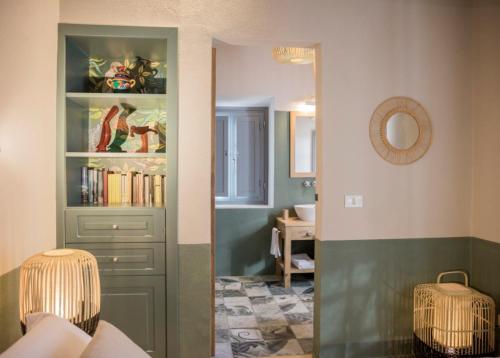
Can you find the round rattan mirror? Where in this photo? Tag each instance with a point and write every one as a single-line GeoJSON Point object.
{"type": "Point", "coordinates": [400, 130]}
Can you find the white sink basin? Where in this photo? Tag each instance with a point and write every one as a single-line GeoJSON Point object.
{"type": "Point", "coordinates": [306, 212]}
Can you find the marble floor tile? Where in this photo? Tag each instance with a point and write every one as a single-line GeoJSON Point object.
{"type": "Point", "coordinates": [250, 349]}
{"type": "Point", "coordinates": [306, 344]}
{"type": "Point", "coordinates": [222, 336]}
{"type": "Point", "coordinates": [277, 333]}
{"type": "Point", "coordinates": [264, 319]}
{"type": "Point", "coordinates": [241, 307]}
{"type": "Point", "coordinates": [303, 330]}
{"type": "Point", "coordinates": [268, 308]}
{"type": "Point", "coordinates": [278, 289]}
{"type": "Point", "coordinates": [245, 335]}
{"type": "Point", "coordinates": [284, 347]}
{"type": "Point", "coordinates": [221, 321]}
{"type": "Point", "coordinates": [257, 291]}
{"type": "Point", "coordinates": [249, 321]}
{"type": "Point", "coordinates": [262, 300]}
{"type": "Point", "coordinates": [309, 297]}
{"type": "Point", "coordinates": [299, 290]}
{"type": "Point", "coordinates": [257, 317]}
{"type": "Point", "coordinates": [290, 304]}
{"type": "Point", "coordinates": [223, 350]}
{"type": "Point", "coordinates": [299, 318]}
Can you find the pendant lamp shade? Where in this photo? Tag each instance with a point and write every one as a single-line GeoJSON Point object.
{"type": "Point", "coordinates": [62, 282]}
{"type": "Point", "coordinates": [294, 55]}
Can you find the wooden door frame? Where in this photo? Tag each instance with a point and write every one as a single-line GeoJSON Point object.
{"type": "Point", "coordinates": [212, 202]}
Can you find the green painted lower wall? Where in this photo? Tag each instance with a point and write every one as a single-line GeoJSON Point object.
{"type": "Point", "coordinates": [10, 329]}
{"type": "Point", "coordinates": [364, 291]}
{"type": "Point", "coordinates": [195, 302]}
{"type": "Point", "coordinates": [243, 235]}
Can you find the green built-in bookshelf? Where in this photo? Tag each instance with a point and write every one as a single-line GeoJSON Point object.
{"type": "Point", "coordinates": [117, 169]}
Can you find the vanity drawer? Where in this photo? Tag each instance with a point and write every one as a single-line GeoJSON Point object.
{"type": "Point", "coordinates": [115, 225]}
{"type": "Point", "coordinates": [301, 233]}
{"type": "Point", "coordinates": [127, 259]}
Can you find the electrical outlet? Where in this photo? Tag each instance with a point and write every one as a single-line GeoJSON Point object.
{"type": "Point", "coordinates": [353, 201]}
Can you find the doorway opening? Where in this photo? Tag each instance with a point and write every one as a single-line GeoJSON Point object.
{"type": "Point", "coordinates": [264, 193]}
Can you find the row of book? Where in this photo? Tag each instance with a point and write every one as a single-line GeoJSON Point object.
{"type": "Point", "coordinates": [103, 187]}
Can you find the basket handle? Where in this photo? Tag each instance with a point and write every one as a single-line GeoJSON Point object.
{"type": "Point", "coordinates": [466, 276]}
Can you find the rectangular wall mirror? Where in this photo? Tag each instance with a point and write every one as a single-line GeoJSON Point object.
{"type": "Point", "coordinates": [302, 145]}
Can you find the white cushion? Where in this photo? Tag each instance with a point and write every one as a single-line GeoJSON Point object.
{"type": "Point", "coordinates": [49, 336]}
{"type": "Point", "coordinates": [109, 342]}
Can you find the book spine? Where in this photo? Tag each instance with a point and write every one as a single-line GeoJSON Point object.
{"type": "Point", "coordinates": [140, 189]}
{"type": "Point", "coordinates": [157, 191]}
{"type": "Point", "coordinates": [95, 186]}
{"type": "Point", "coordinates": [100, 186]}
{"type": "Point", "coordinates": [85, 185]}
{"type": "Point", "coordinates": [135, 189]}
{"type": "Point", "coordinates": [164, 189]}
{"type": "Point", "coordinates": [105, 186]}
{"type": "Point", "coordinates": [147, 196]}
{"type": "Point", "coordinates": [91, 185]}
{"type": "Point", "coordinates": [124, 193]}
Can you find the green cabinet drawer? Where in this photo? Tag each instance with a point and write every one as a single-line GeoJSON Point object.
{"type": "Point", "coordinates": [136, 305]}
{"type": "Point", "coordinates": [115, 225]}
{"type": "Point", "coordinates": [127, 258]}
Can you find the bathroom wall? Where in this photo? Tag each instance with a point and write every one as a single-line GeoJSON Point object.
{"type": "Point", "coordinates": [243, 236]}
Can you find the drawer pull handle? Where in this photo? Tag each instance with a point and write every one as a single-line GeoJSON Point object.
{"type": "Point", "coordinates": [115, 259]}
{"type": "Point", "coordinates": [115, 227]}
{"type": "Point", "coordinates": [309, 234]}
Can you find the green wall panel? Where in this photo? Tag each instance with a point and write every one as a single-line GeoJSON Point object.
{"type": "Point", "coordinates": [194, 301]}
{"type": "Point", "coordinates": [10, 330]}
{"type": "Point", "coordinates": [364, 291]}
{"type": "Point", "coordinates": [243, 236]}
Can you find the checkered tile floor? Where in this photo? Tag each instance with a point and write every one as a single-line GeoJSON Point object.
{"type": "Point", "coordinates": [257, 317]}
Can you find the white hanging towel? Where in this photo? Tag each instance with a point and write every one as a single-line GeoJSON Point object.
{"type": "Point", "coordinates": [275, 243]}
{"type": "Point", "coordinates": [302, 261]}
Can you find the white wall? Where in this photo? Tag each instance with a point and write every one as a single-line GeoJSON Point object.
{"type": "Point", "coordinates": [371, 50]}
{"type": "Point", "coordinates": [486, 117]}
{"type": "Point", "coordinates": [28, 47]}
{"type": "Point", "coordinates": [251, 71]}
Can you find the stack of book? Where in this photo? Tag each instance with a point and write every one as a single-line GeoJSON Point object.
{"type": "Point", "coordinates": [103, 187]}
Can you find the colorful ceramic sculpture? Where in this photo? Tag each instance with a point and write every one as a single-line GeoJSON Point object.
{"type": "Point", "coordinates": [162, 136]}
{"type": "Point", "coordinates": [143, 132]}
{"type": "Point", "coordinates": [121, 128]}
{"type": "Point", "coordinates": [121, 82]}
{"type": "Point", "coordinates": [106, 130]}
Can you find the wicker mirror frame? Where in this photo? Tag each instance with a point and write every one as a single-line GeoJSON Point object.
{"type": "Point", "coordinates": [378, 125]}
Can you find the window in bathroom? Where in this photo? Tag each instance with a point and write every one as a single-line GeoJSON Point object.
{"type": "Point", "coordinates": [242, 156]}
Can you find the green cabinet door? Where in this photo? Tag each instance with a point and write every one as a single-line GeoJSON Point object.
{"type": "Point", "coordinates": [136, 305]}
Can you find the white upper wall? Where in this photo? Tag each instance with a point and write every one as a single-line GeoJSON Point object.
{"type": "Point", "coordinates": [371, 50]}
{"type": "Point", "coordinates": [486, 115]}
{"type": "Point", "coordinates": [251, 72]}
{"type": "Point", "coordinates": [28, 44]}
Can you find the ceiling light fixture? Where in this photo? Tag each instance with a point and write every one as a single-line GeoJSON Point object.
{"type": "Point", "coordinates": [294, 55]}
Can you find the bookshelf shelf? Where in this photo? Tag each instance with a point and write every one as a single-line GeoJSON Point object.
{"type": "Point", "coordinates": [113, 155]}
{"type": "Point", "coordinates": [100, 100]}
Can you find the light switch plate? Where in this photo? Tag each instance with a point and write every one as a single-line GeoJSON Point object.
{"type": "Point", "coordinates": [353, 201]}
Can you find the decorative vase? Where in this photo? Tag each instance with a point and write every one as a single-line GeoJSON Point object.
{"type": "Point", "coordinates": [106, 130]}
{"type": "Point", "coordinates": [142, 72]}
{"type": "Point", "coordinates": [121, 82]}
{"type": "Point", "coordinates": [122, 129]}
